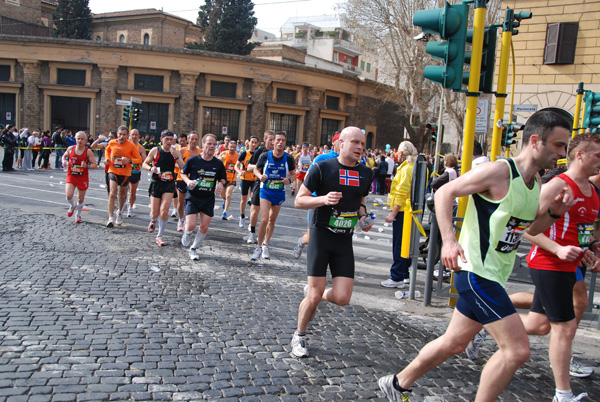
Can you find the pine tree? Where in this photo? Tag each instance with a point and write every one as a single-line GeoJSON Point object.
{"type": "Point", "coordinates": [72, 19]}
{"type": "Point", "coordinates": [226, 25]}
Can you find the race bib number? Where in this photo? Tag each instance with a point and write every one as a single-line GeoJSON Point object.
{"type": "Point", "coordinates": [343, 222]}
{"type": "Point", "coordinates": [585, 231]}
{"type": "Point", "coordinates": [274, 185]}
{"type": "Point", "coordinates": [118, 162]}
{"type": "Point", "coordinates": [206, 184]}
{"type": "Point", "coordinates": [305, 166]}
{"type": "Point", "coordinates": [76, 170]}
{"type": "Point", "coordinates": [166, 176]}
{"type": "Point", "coordinates": [512, 235]}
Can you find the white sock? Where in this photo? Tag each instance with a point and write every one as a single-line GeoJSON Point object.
{"type": "Point", "coordinates": [198, 239]}
{"type": "Point", "coordinates": [563, 395]}
{"type": "Point", "coordinates": [79, 209]}
{"type": "Point", "coordinates": [161, 227]}
{"type": "Point", "coordinates": [72, 202]}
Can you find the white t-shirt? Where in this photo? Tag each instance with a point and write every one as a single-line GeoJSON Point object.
{"type": "Point", "coordinates": [390, 162]}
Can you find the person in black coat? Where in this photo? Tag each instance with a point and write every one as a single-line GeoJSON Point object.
{"type": "Point", "coordinates": [382, 169]}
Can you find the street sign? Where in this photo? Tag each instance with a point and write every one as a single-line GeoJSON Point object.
{"type": "Point", "coordinates": [526, 108]}
{"type": "Point", "coordinates": [123, 102]}
{"type": "Point", "coordinates": [152, 125]}
{"type": "Point", "coordinates": [224, 130]}
{"type": "Point", "coordinates": [8, 116]}
{"type": "Point", "coordinates": [136, 100]}
{"type": "Point", "coordinates": [482, 121]}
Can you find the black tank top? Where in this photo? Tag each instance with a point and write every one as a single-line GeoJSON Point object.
{"type": "Point", "coordinates": [166, 163]}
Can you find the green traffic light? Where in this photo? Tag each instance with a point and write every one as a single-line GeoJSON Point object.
{"type": "Point", "coordinates": [591, 113]}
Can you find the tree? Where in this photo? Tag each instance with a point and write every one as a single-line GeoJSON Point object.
{"type": "Point", "coordinates": [385, 27]}
{"type": "Point", "coordinates": [72, 19]}
{"type": "Point", "coordinates": [226, 25]}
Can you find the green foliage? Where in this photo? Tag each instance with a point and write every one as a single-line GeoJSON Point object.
{"type": "Point", "coordinates": [226, 25]}
{"type": "Point", "coordinates": [72, 19]}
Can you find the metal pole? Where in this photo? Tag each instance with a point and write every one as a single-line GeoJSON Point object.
{"type": "Point", "coordinates": [434, 233]}
{"type": "Point", "coordinates": [438, 143]}
{"type": "Point", "coordinates": [577, 109]}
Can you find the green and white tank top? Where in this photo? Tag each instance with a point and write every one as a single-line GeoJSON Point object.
{"type": "Point", "coordinates": [492, 230]}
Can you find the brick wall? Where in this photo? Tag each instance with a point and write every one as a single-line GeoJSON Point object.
{"type": "Point", "coordinates": [27, 10]}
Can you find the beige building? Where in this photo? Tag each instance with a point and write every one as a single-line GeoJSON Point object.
{"type": "Point", "coordinates": [555, 51]}
{"type": "Point", "coordinates": [46, 82]}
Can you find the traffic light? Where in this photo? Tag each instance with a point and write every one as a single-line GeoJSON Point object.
{"type": "Point", "coordinates": [450, 23]}
{"type": "Point", "coordinates": [509, 131]}
{"type": "Point", "coordinates": [512, 20]}
{"type": "Point", "coordinates": [433, 127]}
{"type": "Point", "coordinates": [591, 113]}
{"type": "Point", "coordinates": [135, 116]}
{"type": "Point", "coordinates": [488, 59]}
{"type": "Point", "coordinates": [127, 113]}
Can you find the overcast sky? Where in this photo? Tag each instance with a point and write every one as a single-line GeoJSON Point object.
{"type": "Point", "coordinates": [271, 14]}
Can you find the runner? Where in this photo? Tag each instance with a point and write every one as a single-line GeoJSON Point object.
{"type": "Point", "coordinates": [268, 139]}
{"type": "Point", "coordinates": [136, 172]}
{"type": "Point", "coordinates": [274, 169]}
{"type": "Point", "coordinates": [179, 144]}
{"type": "Point", "coordinates": [247, 177]}
{"type": "Point", "coordinates": [161, 162]}
{"type": "Point", "coordinates": [341, 185]}
{"type": "Point", "coordinates": [119, 154]}
{"type": "Point", "coordinates": [191, 150]}
{"type": "Point", "coordinates": [335, 152]}
{"type": "Point", "coordinates": [303, 161]}
{"type": "Point", "coordinates": [203, 174]}
{"type": "Point", "coordinates": [77, 160]}
{"type": "Point", "coordinates": [503, 201]}
{"type": "Point", "coordinates": [229, 159]}
{"type": "Point", "coordinates": [555, 255]}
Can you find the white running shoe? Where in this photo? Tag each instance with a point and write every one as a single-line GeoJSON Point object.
{"type": "Point", "coordinates": [472, 349]}
{"type": "Point", "coordinates": [298, 249]}
{"type": "Point", "coordinates": [386, 385]}
{"type": "Point", "coordinates": [265, 252]}
{"type": "Point", "coordinates": [186, 239]}
{"type": "Point", "coordinates": [173, 213]}
{"type": "Point", "coordinates": [252, 238]}
{"type": "Point", "coordinates": [110, 223]}
{"type": "Point", "coordinates": [256, 254]}
{"type": "Point", "coordinates": [389, 283]}
{"type": "Point", "coordinates": [578, 370]}
{"type": "Point", "coordinates": [193, 254]}
{"type": "Point", "coordinates": [129, 212]}
{"type": "Point", "coordinates": [299, 345]}
{"type": "Point", "coordinates": [119, 220]}
{"type": "Point", "coordinates": [573, 398]}
{"type": "Point", "coordinates": [242, 222]}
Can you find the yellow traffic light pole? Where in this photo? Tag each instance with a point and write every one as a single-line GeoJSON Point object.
{"type": "Point", "coordinates": [501, 92]}
{"type": "Point", "coordinates": [577, 113]}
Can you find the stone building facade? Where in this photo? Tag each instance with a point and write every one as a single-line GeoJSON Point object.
{"type": "Point", "coordinates": [46, 82]}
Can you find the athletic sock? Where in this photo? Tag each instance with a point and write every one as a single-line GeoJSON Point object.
{"type": "Point", "coordinates": [397, 386]}
{"type": "Point", "coordinates": [301, 333]}
{"type": "Point", "coordinates": [252, 229]}
{"type": "Point", "coordinates": [198, 239]}
{"type": "Point", "coordinates": [79, 209]}
{"type": "Point", "coordinates": [161, 227]}
{"type": "Point", "coordinates": [563, 395]}
{"type": "Point", "coordinates": [242, 215]}
{"type": "Point", "coordinates": [72, 202]}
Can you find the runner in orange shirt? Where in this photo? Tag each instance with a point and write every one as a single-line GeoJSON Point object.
{"type": "Point", "coordinates": [229, 159]}
{"type": "Point", "coordinates": [136, 172]}
{"type": "Point", "coordinates": [192, 149]}
{"type": "Point", "coordinates": [119, 154]}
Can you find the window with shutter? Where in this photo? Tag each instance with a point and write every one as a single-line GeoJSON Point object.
{"type": "Point", "coordinates": [561, 41]}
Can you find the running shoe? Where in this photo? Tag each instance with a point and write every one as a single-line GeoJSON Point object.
{"type": "Point", "coordinates": [386, 385]}
{"type": "Point", "coordinates": [193, 254]}
{"type": "Point", "coordinates": [242, 222]}
{"type": "Point", "coordinates": [299, 345]}
{"type": "Point", "coordinates": [151, 226]}
{"type": "Point", "coordinates": [119, 220]}
{"type": "Point", "coordinates": [160, 241]}
{"type": "Point", "coordinates": [578, 370]}
{"type": "Point", "coordinates": [224, 216]}
{"type": "Point", "coordinates": [79, 220]}
{"type": "Point", "coordinates": [573, 398]}
{"type": "Point", "coordinates": [186, 239]}
{"type": "Point", "coordinates": [298, 249]}
{"type": "Point", "coordinates": [256, 254]}
{"type": "Point", "coordinates": [389, 283]}
{"type": "Point", "coordinates": [265, 252]}
{"type": "Point", "coordinates": [129, 213]}
{"type": "Point", "coordinates": [252, 238]}
{"type": "Point", "coordinates": [472, 349]}
{"type": "Point", "coordinates": [110, 223]}
{"type": "Point", "coordinates": [71, 210]}
{"type": "Point", "coordinates": [406, 281]}
{"type": "Point", "coordinates": [293, 191]}
{"type": "Point", "coordinates": [173, 213]}
{"type": "Point", "coordinates": [180, 225]}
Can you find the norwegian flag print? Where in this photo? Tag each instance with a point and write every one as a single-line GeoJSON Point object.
{"type": "Point", "coordinates": [349, 178]}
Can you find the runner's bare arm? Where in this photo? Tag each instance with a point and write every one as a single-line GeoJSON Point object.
{"type": "Point", "coordinates": [92, 164]}
{"type": "Point", "coordinates": [304, 199]}
{"type": "Point", "coordinates": [148, 160]}
{"type": "Point", "coordinates": [565, 253]}
{"type": "Point", "coordinates": [556, 198]}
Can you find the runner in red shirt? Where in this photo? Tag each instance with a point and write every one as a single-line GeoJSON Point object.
{"type": "Point", "coordinates": [78, 159]}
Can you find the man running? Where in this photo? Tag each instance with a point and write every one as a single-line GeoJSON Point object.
{"type": "Point", "coordinates": [229, 159]}
{"type": "Point", "coordinates": [341, 185]}
{"type": "Point", "coordinates": [204, 175]}
{"type": "Point", "coordinates": [503, 201]}
{"type": "Point", "coordinates": [119, 155]}
{"type": "Point", "coordinates": [247, 177]}
{"type": "Point", "coordinates": [77, 160]}
{"type": "Point", "coordinates": [190, 150]}
{"type": "Point", "coordinates": [274, 169]}
{"type": "Point", "coordinates": [161, 162]}
{"type": "Point", "coordinates": [179, 144]}
{"type": "Point", "coordinates": [268, 139]}
{"type": "Point", "coordinates": [303, 161]}
{"type": "Point", "coordinates": [557, 252]}
{"type": "Point", "coordinates": [136, 172]}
